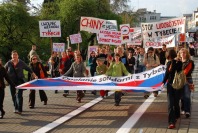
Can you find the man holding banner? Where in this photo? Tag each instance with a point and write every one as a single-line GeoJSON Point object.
{"type": "Point", "coordinates": [151, 61]}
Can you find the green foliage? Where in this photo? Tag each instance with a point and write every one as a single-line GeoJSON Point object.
{"type": "Point", "coordinates": [17, 27]}
{"type": "Point", "coordinates": [19, 30]}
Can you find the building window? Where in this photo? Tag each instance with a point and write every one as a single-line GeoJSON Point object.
{"type": "Point", "coordinates": [152, 17]}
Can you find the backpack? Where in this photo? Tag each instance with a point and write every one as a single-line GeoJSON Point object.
{"type": "Point", "coordinates": [179, 80]}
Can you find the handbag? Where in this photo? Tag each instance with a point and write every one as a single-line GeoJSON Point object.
{"type": "Point", "coordinates": [179, 80]}
{"type": "Point", "coordinates": [42, 74]}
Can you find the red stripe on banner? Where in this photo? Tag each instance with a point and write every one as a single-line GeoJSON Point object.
{"type": "Point", "coordinates": [133, 83]}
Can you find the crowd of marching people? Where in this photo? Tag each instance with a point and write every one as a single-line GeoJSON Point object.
{"type": "Point", "coordinates": [120, 61]}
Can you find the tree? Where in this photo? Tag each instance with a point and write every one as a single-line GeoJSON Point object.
{"type": "Point", "coordinates": [118, 6]}
{"type": "Point", "coordinates": [17, 29]}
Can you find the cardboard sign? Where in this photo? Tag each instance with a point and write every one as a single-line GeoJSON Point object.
{"type": "Point", "coordinates": [75, 38]}
{"type": "Point", "coordinates": [50, 28]}
{"type": "Point", "coordinates": [58, 47]}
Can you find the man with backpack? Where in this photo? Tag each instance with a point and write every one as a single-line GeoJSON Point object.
{"type": "Point", "coordinates": [150, 61]}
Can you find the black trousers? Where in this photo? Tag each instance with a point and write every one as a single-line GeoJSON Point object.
{"type": "Point", "coordinates": [173, 97]}
{"type": "Point", "coordinates": [2, 95]}
{"type": "Point", "coordinates": [32, 96]}
{"type": "Point", "coordinates": [117, 96]}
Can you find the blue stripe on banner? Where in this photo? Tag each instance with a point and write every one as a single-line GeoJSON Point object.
{"type": "Point", "coordinates": [152, 81]}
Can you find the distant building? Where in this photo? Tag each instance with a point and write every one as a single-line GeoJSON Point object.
{"type": "Point", "coordinates": [148, 16]}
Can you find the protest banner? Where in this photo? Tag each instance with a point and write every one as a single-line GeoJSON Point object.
{"type": "Point", "coordinates": [58, 47]}
{"type": "Point", "coordinates": [75, 38]}
{"type": "Point", "coordinates": [94, 25]}
{"type": "Point", "coordinates": [150, 80]}
{"type": "Point", "coordinates": [157, 43]}
{"type": "Point", "coordinates": [163, 28]}
{"type": "Point", "coordinates": [109, 37]}
{"type": "Point", "coordinates": [50, 28]}
{"type": "Point", "coordinates": [125, 33]}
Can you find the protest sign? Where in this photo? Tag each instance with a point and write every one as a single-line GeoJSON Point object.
{"type": "Point", "coordinates": [157, 43]}
{"type": "Point", "coordinates": [94, 25]}
{"type": "Point", "coordinates": [109, 37]}
{"type": "Point", "coordinates": [50, 28]}
{"type": "Point", "coordinates": [135, 36]}
{"type": "Point", "coordinates": [92, 48]}
{"type": "Point", "coordinates": [75, 38]}
{"type": "Point", "coordinates": [125, 33]}
{"type": "Point", "coordinates": [163, 28]}
{"type": "Point", "coordinates": [58, 47]}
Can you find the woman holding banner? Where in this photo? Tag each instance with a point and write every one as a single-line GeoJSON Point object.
{"type": "Point", "coordinates": [173, 95]}
{"type": "Point", "coordinates": [78, 69]}
{"type": "Point", "coordinates": [39, 70]}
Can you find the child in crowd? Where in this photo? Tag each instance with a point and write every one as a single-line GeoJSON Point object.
{"type": "Point", "coordinates": [101, 69]}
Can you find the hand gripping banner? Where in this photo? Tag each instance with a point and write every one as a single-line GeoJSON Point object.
{"type": "Point", "coordinates": [146, 81]}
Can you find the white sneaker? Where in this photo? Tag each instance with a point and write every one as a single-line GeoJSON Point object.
{"type": "Point", "coordinates": [182, 112]}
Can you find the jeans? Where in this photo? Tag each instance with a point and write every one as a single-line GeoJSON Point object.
{"type": "Point", "coordinates": [186, 97]}
{"type": "Point", "coordinates": [19, 100]}
{"type": "Point", "coordinates": [173, 97]}
{"type": "Point", "coordinates": [13, 94]}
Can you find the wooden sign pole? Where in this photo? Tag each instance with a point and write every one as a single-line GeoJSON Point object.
{"type": "Point", "coordinates": [51, 43]}
{"type": "Point", "coordinates": [67, 38]}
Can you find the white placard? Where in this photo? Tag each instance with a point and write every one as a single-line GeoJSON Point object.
{"type": "Point", "coordinates": [75, 38]}
{"type": "Point", "coordinates": [163, 28]}
{"type": "Point", "coordinates": [50, 28]}
{"type": "Point", "coordinates": [58, 47]}
{"type": "Point", "coordinates": [109, 37]}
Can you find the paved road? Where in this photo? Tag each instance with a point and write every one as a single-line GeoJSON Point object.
{"type": "Point", "coordinates": [103, 117]}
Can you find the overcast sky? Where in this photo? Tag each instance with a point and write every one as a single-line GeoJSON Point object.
{"type": "Point", "coordinates": [165, 7]}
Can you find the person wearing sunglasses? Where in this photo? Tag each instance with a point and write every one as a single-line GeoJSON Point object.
{"type": "Point", "coordinates": [39, 70]}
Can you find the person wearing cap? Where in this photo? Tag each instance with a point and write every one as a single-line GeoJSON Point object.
{"type": "Point", "coordinates": [117, 69]}
{"type": "Point", "coordinates": [101, 69]}
{"type": "Point", "coordinates": [3, 75]}
{"type": "Point", "coordinates": [37, 67]}
{"type": "Point", "coordinates": [14, 68]}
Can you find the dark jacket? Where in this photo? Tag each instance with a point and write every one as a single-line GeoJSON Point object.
{"type": "Point", "coordinates": [170, 70]}
{"type": "Point", "coordinates": [3, 74]}
{"type": "Point", "coordinates": [16, 74]}
{"type": "Point", "coordinates": [36, 69]}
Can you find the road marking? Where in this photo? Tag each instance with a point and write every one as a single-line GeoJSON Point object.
{"type": "Point", "coordinates": [67, 117]}
{"type": "Point", "coordinates": [128, 125]}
